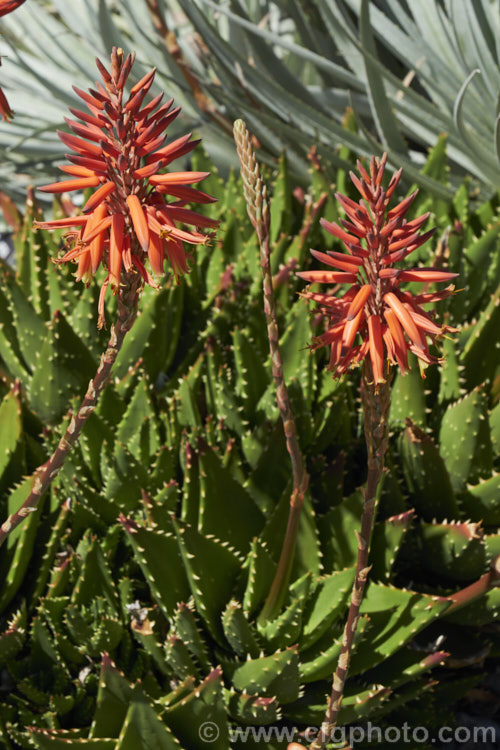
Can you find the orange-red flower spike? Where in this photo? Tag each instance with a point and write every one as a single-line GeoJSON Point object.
{"type": "Point", "coordinates": [119, 148]}
{"type": "Point", "coordinates": [375, 319]}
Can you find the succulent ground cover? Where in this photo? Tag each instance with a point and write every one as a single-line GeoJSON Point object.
{"type": "Point", "coordinates": [131, 600]}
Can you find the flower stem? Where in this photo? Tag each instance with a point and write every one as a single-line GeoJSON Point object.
{"type": "Point", "coordinates": [258, 211]}
{"type": "Point", "coordinates": [376, 402]}
{"type": "Point", "coordinates": [127, 311]}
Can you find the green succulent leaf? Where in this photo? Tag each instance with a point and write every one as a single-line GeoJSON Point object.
{"type": "Point", "coordinates": [154, 549]}
{"type": "Point", "coordinates": [396, 616]}
{"type": "Point", "coordinates": [235, 522]}
{"type": "Point", "coordinates": [258, 574]}
{"type": "Point", "coordinates": [254, 710]}
{"type": "Point", "coordinates": [18, 548]}
{"type": "Point", "coordinates": [452, 550]}
{"type": "Point", "coordinates": [326, 606]}
{"type": "Point", "coordinates": [205, 704]}
{"type": "Point", "coordinates": [142, 729]}
{"type": "Point", "coordinates": [467, 452]}
{"type": "Point", "coordinates": [408, 398]}
{"type": "Point", "coordinates": [11, 439]}
{"type": "Point", "coordinates": [387, 538]}
{"type": "Point", "coordinates": [63, 369]}
{"type": "Point", "coordinates": [276, 675]}
{"type": "Point", "coordinates": [211, 567]}
{"type": "Point", "coordinates": [52, 740]}
{"type": "Point", "coordinates": [238, 631]}
{"type": "Point", "coordinates": [427, 475]}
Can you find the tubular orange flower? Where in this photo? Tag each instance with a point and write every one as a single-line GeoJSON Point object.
{"type": "Point", "coordinates": [131, 216]}
{"type": "Point", "coordinates": [387, 320]}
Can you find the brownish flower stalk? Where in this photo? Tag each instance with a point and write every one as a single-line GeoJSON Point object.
{"type": "Point", "coordinates": [376, 323]}
{"type": "Point", "coordinates": [258, 211]}
{"type": "Point", "coordinates": [120, 150]}
{"type": "Point", "coordinates": [376, 402]}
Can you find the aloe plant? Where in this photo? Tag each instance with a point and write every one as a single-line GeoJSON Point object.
{"type": "Point", "coordinates": [130, 608]}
